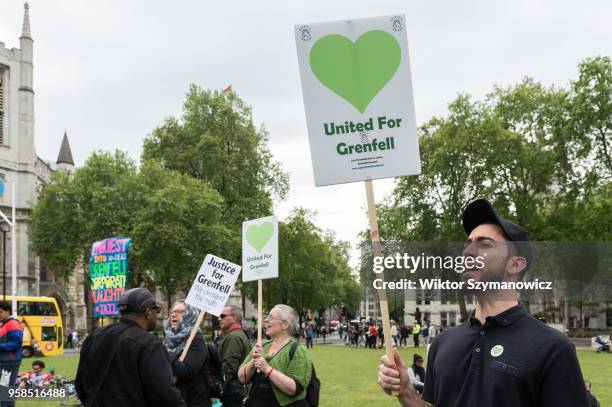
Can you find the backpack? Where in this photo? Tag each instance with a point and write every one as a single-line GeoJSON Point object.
{"type": "Point", "coordinates": [314, 387]}
{"type": "Point", "coordinates": [213, 371]}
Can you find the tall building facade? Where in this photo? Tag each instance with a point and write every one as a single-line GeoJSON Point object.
{"type": "Point", "coordinates": [24, 171]}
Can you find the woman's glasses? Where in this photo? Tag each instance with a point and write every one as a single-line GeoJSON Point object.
{"type": "Point", "coordinates": [270, 318]}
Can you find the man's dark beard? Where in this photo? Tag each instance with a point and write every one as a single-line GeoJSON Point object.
{"type": "Point", "coordinates": [497, 275]}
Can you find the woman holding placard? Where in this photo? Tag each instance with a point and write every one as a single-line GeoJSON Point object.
{"type": "Point", "coordinates": [189, 373]}
{"type": "Point", "coordinates": [280, 369]}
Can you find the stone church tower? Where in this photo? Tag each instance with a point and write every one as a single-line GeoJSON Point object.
{"type": "Point", "coordinates": [30, 173]}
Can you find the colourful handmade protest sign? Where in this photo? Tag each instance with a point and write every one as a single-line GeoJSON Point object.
{"type": "Point", "coordinates": [108, 272]}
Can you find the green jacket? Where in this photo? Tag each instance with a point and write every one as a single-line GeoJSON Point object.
{"type": "Point", "coordinates": [234, 347]}
{"type": "Point", "coordinates": [299, 369]}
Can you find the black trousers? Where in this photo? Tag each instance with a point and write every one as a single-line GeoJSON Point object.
{"type": "Point", "coordinates": [235, 400]}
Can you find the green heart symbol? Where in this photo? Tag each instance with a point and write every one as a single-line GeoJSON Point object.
{"type": "Point", "coordinates": [358, 71]}
{"type": "Point", "coordinates": [259, 235]}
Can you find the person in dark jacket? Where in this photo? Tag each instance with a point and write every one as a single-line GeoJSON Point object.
{"type": "Point", "coordinates": [189, 373]}
{"type": "Point", "coordinates": [11, 340]}
{"type": "Point", "coordinates": [124, 365]}
{"type": "Point", "coordinates": [234, 347]}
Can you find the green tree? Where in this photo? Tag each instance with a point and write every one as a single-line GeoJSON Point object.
{"type": "Point", "coordinates": [216, 141]}
{"type": "Point", "coordinates": [539, 154]}
{"type": "Point", "coordinates": [98, 201]}
{"type": "Point", "coordinates": [178, 224]}
{"type": "Point", "coordinates": [173, 220]}
{"type": "Point", "coordinates": [591, 117]}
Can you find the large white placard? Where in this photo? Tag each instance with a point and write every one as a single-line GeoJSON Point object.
{"type": "Point", "coordinates": [358, 99]}
{"type": "Point", "coordinates": [213, 285]}
{"type": "Point", "coordinates": [260, 249]}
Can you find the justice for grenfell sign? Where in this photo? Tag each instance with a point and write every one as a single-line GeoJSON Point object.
{"type": "Point", "coordinates": [213, 285]}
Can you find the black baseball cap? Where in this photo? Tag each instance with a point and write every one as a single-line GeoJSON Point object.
{"type": "Point", "coordinates": [138, 300]}
{"type": "Point", "coordinates": [481, 211]}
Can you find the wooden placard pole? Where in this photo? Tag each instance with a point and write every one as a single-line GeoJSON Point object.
{"type": "Point", "coordinates": [259, 310]}
{"type": "Point", "coordinates": [192, 335]}
{"type": "Point", "coordinates": [376, 252]}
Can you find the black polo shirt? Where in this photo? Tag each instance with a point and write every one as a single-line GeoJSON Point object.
{"type": "Point", "coordinates": [512, 360]}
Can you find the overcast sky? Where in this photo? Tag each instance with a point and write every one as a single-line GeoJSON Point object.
{"type": "Point", "coordinates": [111, 71]}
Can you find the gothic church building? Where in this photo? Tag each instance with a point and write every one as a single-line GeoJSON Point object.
{"type": "Point", "coordinates": [22, 167]}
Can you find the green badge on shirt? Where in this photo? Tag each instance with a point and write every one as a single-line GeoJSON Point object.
{"type": "Point", "coordinates": [497, 350]}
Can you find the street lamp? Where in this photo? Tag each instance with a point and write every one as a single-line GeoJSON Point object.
{"type": "Point", "coordinates": [12, 223]}
{"type": "Point", "coordinates": [4, 227]}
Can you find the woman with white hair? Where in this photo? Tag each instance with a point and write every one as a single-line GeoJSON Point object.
{"type": "Point", "coordinates": [277, 378]}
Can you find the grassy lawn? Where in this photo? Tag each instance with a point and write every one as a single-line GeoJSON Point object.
{"type": "Point", "coordinates": [63, 365]}
{"type": "Point", "coordinates": [348, 376]}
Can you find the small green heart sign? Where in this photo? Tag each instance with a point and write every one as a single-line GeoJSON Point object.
{"type": "Point", "coordinates": [356, 71]}
{"type": "Point", "coordinates": [259, 235]}
{"type": "Point", "coordinates": [260, 248]}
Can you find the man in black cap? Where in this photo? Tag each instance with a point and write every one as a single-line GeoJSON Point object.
{"type": "Point", "coordinates": [501, 356]}
{"type": "Point", "coordinates": [123, 364]}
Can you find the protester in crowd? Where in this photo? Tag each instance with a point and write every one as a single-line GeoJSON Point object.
{"type": "Point", "coordinates": [234, 347]}
{"type": "Point", "coordinates": [394, 332]}
{"type": "Point", "coordinates": [309, 333]}
{"type": "Point", "coordinates": [416, 331]}
{"type": "Point", "coordinates": [431, 335]}
{"type": "Point", "coordinates": [122, 364]}
{"type": "Point", "coordinates": [37, 377]}
{"type": "Point", "coordinates": [349, 336]}
{"type": "Point", "coordinates": [356, 335]}
{"type": "Point", "coordinates": [500, 356]}
{"type": "Point", "coordinates": [69, 339]}
{"type": "Point", "coordinates": [432, 332]}
{"type": "Point", "coordinates": [425, 331]}
{"type": "Point", "coordinates": [277, 378]}
{"type": "Point", "coordinates": [372, 336]}
{"type": "Point", "coordinates": [75, 339]}
{"type": "Point", "coordinates": [381, 336]}
{"type": "Point", "coordinates": [404, 334]}
{"type": "Point", "coordinates": [189, 374]}
{"type": "Point", "coordinates": [11, 341]}
{"type": "Point", "coordinates": [323, 332]}
{"type": "Point", "coordinates": [593, 402]}
{"type": "Point", "coordinates": [416, 373]}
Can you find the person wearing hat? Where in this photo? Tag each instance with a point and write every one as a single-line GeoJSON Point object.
{"type": "Point", "coordinates": [123, 364]}
{"type": "Point", "coordinates": [500, 356]}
